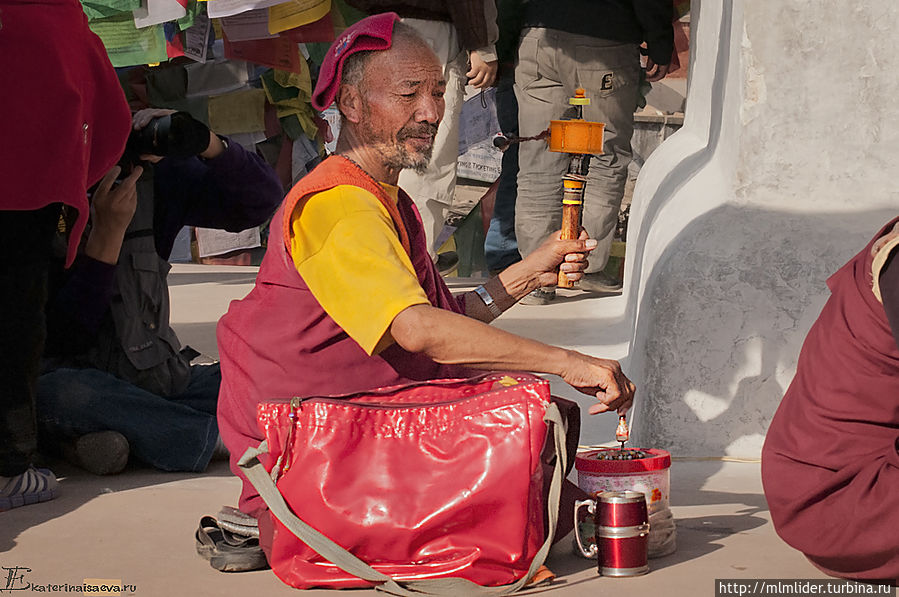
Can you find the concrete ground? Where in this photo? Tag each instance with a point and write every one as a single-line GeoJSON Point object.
{"type": "Point", "coordinates": [137, 527]}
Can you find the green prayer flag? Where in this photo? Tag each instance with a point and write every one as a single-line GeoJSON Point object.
{"type": "Point", "coordinates": [128, 45]}
{"type": "Point", "coordinates": [100, 9]}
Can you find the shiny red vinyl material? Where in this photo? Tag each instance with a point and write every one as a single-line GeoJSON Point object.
{"type": "Point", "coordinates": [429, 480]}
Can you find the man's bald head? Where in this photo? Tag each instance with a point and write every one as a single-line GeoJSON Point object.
{"type": "Point", "coordinates": [404, 37]}
{"type": "Point", "coordinates": [391, 101]}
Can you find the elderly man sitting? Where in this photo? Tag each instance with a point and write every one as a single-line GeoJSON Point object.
{"type": "Point", "coordinates": [347, 298]}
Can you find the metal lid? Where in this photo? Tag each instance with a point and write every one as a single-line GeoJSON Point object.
{"type": "Point", "coordinates": [620, 497]}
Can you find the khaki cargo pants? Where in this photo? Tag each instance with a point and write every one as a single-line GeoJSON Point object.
{"type": "Point", "coordinates": [551, 65]}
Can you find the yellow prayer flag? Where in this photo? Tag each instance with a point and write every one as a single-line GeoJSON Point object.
{"type": "Point", "coordinates": [301, 80]}
{"type": "Point", "coordinates": [238, 112]}
{"type": "Point", "coordinates": [296, 13]}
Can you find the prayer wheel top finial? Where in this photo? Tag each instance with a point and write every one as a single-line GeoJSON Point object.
{"type": "Point", "coordinates": [580, 98]}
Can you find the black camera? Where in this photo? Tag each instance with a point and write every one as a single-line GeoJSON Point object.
{"type": "Point", "coordinates": [173, 135]}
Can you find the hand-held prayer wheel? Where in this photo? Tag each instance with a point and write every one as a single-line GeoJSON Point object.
{"type": "Point", "coordinates": [581, 139]}
{"type": "Point", "coordinates": [622, 532]}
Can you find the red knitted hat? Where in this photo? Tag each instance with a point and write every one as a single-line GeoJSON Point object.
{"type": "Point", "coordinates": [371, 33]}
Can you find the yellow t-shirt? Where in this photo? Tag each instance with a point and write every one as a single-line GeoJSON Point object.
{"type": "Point", "coordinates": [344, 244]}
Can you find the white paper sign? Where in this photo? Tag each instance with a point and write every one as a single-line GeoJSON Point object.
{"type": "Point", "coordinates": [248, 140]}
{"type": "Point", "coordinates": [154, 12]}
{"type": "Point", "coordinates": [248, 25]}
{"type": "Point", "coordinates": [481, 162]}
{"type": "Point", "coordinates": [477, 123]}
{"type": "Point", "coordinates": [196, 38]}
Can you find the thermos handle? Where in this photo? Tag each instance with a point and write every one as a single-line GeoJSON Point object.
{"type": "Point", "coordinates": [591, 509]}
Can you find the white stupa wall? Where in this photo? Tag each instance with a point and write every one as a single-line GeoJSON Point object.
{"type": "Point", "coordinates": [787, 164]}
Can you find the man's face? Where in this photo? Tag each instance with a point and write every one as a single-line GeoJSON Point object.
{"type": "Point", "coordinates": [402, 104]}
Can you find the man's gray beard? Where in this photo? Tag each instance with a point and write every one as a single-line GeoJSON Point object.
{"type": "Point", "coordinates": [403, 160]}
{"type": "Point", "coordinates": [395, 154]}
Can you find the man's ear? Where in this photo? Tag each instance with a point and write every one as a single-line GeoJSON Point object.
{"type": "Point", "coordinates": [349, 103]}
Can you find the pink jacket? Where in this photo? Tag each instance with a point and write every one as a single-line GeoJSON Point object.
{"type": "Point", "coordinates": [63, 115]}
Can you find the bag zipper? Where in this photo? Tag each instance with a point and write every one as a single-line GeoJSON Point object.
{"type": "Point", "coordinates": [296, 403]}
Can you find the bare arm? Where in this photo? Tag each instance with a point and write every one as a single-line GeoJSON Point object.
{"type": "Point", "coordinates": [449, 338]}
{"type": "Point", "coordinates": [537, 270]}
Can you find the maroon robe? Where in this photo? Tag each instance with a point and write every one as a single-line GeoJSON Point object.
{"type": "Point", "coordinates": [830, 466]}
{"type": "Point", "coordinates": [279, 342]}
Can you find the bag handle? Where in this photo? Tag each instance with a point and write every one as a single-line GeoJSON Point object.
{"type": "Point", "coordinates": [449, 587]}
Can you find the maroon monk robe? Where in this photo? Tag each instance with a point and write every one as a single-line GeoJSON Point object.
{"type": "Point", "coordinates": [830, 466]}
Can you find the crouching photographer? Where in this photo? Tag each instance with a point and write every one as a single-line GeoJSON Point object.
{"type": "Point", "coordinates": [116, 382]}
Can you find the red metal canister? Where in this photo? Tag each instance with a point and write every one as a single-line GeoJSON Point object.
{"type": "Point", "coordinates": [622, 532]}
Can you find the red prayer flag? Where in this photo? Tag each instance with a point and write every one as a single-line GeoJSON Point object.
{"type": "Point", "coordinates": [321, 30]}
{"type": "Point", "coordinates": [278, 52]}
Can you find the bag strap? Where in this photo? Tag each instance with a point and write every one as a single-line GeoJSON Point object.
{"type": "Point", "coordinates": [346, 561]}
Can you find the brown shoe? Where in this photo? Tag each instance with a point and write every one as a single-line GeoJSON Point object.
{"type": "Point", "coordinates": [541, 296]}
{"type": "Point", "coordinates": [100, 453]}
{"type": "Point", "coordinates": [600, 282]}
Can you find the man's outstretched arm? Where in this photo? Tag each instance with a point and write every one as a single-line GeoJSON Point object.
{"type": "Point", "coordinates": [450, 338]}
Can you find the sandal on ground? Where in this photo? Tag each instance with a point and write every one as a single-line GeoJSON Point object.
{"type": "Point", "coordinates": [227, 551]}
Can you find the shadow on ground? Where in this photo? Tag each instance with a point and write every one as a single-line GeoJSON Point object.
{"type": "Point", "coordinates": [78, 487]}
{"type": "Point", "coordinates": [240, 276]}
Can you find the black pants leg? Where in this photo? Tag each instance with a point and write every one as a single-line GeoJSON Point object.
{"type": "Point", "coordinates": [26, 239]}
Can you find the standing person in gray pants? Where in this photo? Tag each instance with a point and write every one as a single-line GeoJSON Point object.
{"type": "Point", "coordinates": [593, 44]}
{"type": "Point", "coordinates": [462, 33]}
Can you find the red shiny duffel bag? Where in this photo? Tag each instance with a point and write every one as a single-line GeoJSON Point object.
{"type": "Point", "coordinates": [403, 485]}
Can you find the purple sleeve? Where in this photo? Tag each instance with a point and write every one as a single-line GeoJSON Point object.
{"type": "Point", "coordinates": [234, 191]}
{"type": "Point", "coordinates": [889, 291]}
{"type": "Point", "coordinates": [77, 306]}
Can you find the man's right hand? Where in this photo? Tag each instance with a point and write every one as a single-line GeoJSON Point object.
{"type": "Point", "coordinates": [601, 378]}
{"type": "Point", "coordinates": [553, 253]}
{"type": "Point", "coordinates": [482, 74]}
